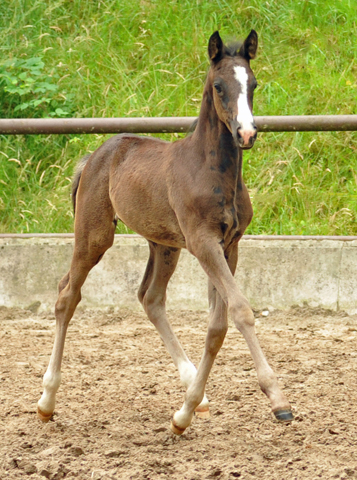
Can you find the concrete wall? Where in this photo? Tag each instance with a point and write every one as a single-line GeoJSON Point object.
{"type": "Point", "coordinates": [273, 272]}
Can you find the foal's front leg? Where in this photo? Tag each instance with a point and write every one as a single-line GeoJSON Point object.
{"type": "Point", "coordinates": [211, 257]}
{"type": "Point", "coordinates": [217, 329]}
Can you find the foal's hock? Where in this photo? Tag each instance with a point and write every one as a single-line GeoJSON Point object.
{"type": "Point", "coordinates": [186, 194]}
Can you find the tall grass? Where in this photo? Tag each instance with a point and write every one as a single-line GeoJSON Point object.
{"type": "Point", "coordinates": [148, 58]}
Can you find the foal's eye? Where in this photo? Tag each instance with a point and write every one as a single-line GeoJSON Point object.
{"type": "Point", "coordinates": [217, 87]}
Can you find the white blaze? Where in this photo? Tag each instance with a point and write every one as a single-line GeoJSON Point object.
{"type": "Point", "coordinates": [244, 117]}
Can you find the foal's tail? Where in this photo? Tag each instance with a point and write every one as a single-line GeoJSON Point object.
{"type": "Point", "coordinates": [77, 176]}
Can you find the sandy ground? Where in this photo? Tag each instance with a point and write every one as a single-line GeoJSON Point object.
{"type": "Point", "coordinates": [120, 390]}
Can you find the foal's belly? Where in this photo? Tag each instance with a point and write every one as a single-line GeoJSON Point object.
{"type": "Point", "coordinates": [154, 226]}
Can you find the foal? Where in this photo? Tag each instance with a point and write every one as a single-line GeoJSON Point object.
{"type": "Point", "coordinates": [187, 194]}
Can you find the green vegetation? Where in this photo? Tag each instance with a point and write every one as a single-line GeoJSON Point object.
{"type": "Point", "coordinates": [68, 58]}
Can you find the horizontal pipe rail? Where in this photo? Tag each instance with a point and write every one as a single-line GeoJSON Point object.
{"type": "Point", "coordinates": [334, 238]}
{"type": "Point", "coordinates": [290, 123]}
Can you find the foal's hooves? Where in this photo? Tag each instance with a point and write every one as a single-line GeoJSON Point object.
{"type": "Point", "coordinates": [284, 415]}
{"type": "Point", "coordinates": [176, 429]}
{"type": "Point", "coordinates": [45, 417]}
{"type": "Point", "coordinates": [202, 413]}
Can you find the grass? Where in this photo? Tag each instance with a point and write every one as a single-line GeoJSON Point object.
{"type": "Point", "coordinates": [148, 58]}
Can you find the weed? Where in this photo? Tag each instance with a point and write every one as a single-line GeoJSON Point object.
{"type": "Point", "coordinates": [26, 88]}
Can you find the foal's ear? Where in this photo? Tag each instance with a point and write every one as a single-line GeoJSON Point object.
{"type": "Point", "coordinates": [215, 47]}
{"type": "Point", "coordinates": [250, 46]}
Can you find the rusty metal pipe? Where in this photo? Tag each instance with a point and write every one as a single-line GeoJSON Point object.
{"type": "Point", "coordinates": [307, 123]}
{"type": "Point", "coordinates": [293, 123]}
{"type": "Point", "coordinates": [95, 125]}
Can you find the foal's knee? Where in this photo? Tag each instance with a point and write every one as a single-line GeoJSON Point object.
{"type": "Point", "coordinates": [242, 314]}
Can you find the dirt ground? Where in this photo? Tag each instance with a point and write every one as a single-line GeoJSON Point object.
{"type": "Point", "coordinates": [120, 389]}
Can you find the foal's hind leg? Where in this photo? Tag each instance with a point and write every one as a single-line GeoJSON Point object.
{"type": "Point", "coordinates": [92, 239]}
{"type": "Point", "coordinates": [152, 294]}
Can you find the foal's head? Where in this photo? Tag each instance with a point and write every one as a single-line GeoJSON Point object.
{"type": "Point", "coordinates": [232, 83]}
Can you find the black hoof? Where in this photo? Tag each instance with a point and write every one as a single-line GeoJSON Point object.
{"type": "Point", "coordinates": [284, 415]}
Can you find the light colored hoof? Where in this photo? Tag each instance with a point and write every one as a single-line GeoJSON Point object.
{"type": "Point", "coordinates": [44, 417]}
{"type": "Point", "coordinates": [202, 412]}
{"type": "Point", "coordinates": [176, 429]}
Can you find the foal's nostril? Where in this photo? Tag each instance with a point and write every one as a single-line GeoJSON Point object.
{"type": "Point", "coordinates": [246, 138]}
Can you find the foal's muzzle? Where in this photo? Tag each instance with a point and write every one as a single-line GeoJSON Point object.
{"type": "Point", "coordinates": [244, 136]}
{"type": "Point", "coordinates": [247, 137]}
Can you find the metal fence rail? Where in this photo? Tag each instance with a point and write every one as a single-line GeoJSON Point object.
{"type": "Point", "coordinates": [297, 238]}
{"type": "Point", "coordinates": [302, 123]}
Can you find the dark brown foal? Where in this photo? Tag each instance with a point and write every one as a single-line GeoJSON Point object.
{"type": "Point", "coordinates": [187, 194]}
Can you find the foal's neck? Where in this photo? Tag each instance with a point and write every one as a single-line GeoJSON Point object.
{"type": "Point", "coordinates": [215, 141]}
